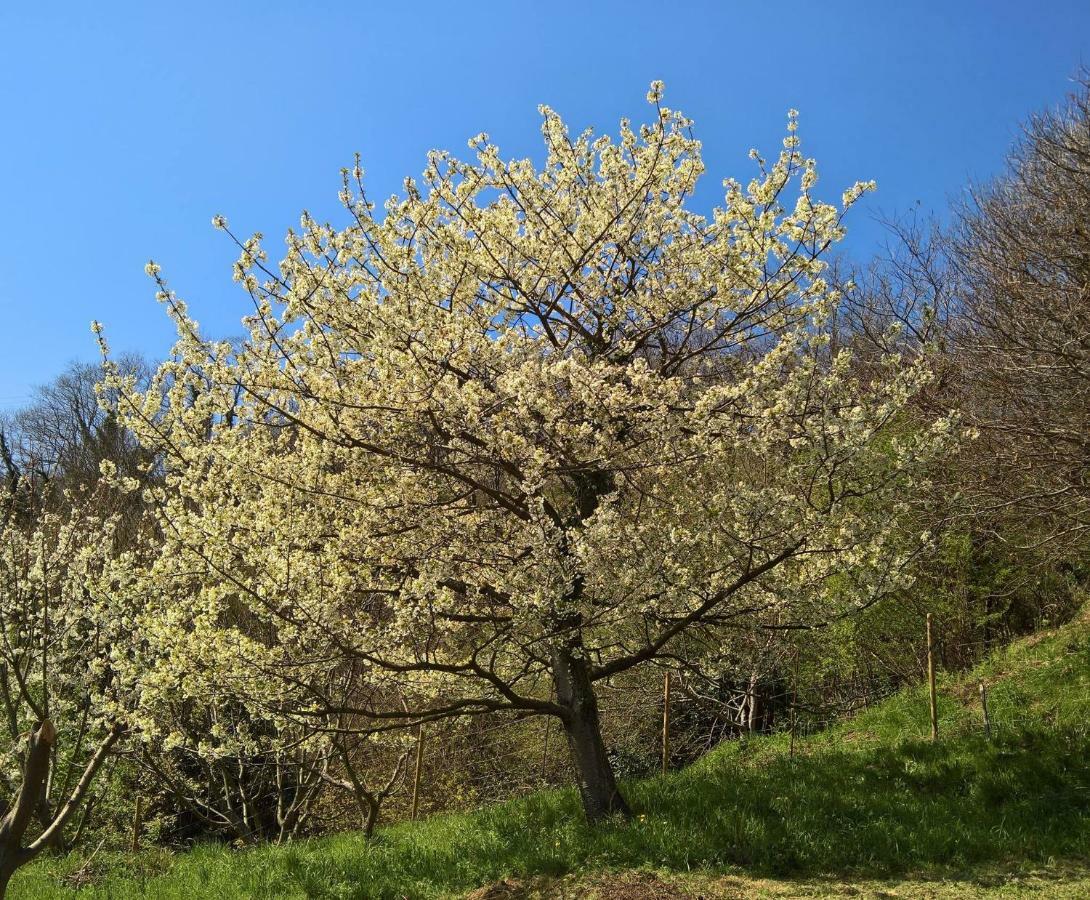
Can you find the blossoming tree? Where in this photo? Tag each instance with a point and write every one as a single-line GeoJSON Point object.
{"type": "Point", "coordinates": [520, 431]}
{"type": "Point", "coordinates": [59, 699]}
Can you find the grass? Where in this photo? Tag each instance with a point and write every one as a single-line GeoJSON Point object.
{"type": "Point", "coordinates": [870, 802]}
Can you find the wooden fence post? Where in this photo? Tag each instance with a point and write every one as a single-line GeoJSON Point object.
{"type": "Point", "coordinates": [137, 822]}
{"type": "Point", "coordinates": [794, 702]}
{"type": "Point", "coordinates": [984, 706]}
{"type": "Point", "coordinates": [666, 723]}
{"type": "Point", "coordinates": [416, 775]}
{"type": "Point", "coordinates": [545, 751]}
{"type": "Point", "coordinates": [931, 682]}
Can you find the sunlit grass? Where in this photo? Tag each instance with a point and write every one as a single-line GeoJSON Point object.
{"type": "Point", "coordinates": [872, 798]}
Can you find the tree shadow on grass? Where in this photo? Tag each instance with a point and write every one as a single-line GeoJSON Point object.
{"type": "Point", "coordinates": [958, 803]}
{"type": "Point", "coordinates": [962, 807]}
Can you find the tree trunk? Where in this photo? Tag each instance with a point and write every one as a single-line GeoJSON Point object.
{"type": "Point", "coordinates": [44, 813]}
{"type": "Point", "coordinates": [753, 717]}
{"type": "Point", "coordinates": [371, 818]}
{"type": "Point", "coordinates": [35, 770]}
{"type": "Point", "coordinates": [575, 693]}
{"type": "Point", "coordinates": [14, 824]}
{"type": "Point", "coordinates": [7, 869]}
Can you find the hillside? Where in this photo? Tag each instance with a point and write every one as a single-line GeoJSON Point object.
{"type": "Point", "coordinates": [871, 806]}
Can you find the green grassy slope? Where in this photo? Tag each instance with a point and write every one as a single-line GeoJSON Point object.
{"type": "Point", "coordinates": [870, 799]}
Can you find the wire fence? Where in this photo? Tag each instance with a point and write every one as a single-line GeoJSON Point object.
{"type": "Point", "coordinates": [659, 719]}
{"type": "Point", "coordinates": [650, 724]}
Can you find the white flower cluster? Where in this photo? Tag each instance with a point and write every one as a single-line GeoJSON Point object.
{"type": "Point", "coordinates": [523, 408]}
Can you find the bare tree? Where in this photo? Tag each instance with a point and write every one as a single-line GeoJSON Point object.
{"type": "Point", "coordinates": [1020, 251]}
{"type": "Point", "coordinates": [64, 433]}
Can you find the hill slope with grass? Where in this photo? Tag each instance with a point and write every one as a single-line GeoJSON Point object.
{"type": "Point", "coordinates": [871, 805]}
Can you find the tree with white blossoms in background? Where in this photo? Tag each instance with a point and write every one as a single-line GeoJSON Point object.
{"type": "Point", "coordinates": [520, 430]}
{"type": "Point", "coordinates": [59, 640]}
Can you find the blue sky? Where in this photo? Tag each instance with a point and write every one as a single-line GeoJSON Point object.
{"type": "Point", "coordinates": [126, 127]}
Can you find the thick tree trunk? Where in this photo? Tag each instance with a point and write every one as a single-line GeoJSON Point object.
{"type": "Point", "coordinates": [14, 824]}
{"type": "Point", "coordinates": [575, 693]}
{"type": "Point", "coordinates": [35, 770]}
{"type": "Point", "coordinates": [372, 817]}
{"type": "Point", "coordinates": [7, 869]}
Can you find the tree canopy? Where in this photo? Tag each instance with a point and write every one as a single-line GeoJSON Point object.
{"type": "Point", "coordinates": [514, 432]}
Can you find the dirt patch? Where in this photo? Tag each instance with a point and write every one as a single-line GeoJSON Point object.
{"type": "Point", "coordinates": [623, 886]}
{"type": "Point", "coordinates": [501, 890]}
{"type": "Point", "coordinates": [1069, 882]}
{"type": "Point", "coordinates": [638, 886]}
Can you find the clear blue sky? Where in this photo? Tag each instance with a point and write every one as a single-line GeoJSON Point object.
{"type": "Point", "coordinates": [126, 126]}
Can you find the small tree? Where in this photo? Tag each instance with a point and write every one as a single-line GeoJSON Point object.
{"type": "Point", "coordinates": [232, 743]}
{"type": "Point", "coordinates": [56, 680]}
{"type": "Point", "coordinates": [518, 435]}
